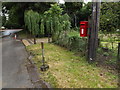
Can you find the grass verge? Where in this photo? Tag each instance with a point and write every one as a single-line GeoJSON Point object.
{"type": "Point", "coordinates": [70, 71]}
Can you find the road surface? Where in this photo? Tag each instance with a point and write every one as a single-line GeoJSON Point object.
{"type": "Point", "coordinates": [14, 72]}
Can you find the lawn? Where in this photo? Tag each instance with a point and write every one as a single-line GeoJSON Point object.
{"type": "Point", "coordinates": [67, 70]}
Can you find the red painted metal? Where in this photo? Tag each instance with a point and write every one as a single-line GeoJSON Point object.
{"type": "Point", "coordinates": [83, 28]}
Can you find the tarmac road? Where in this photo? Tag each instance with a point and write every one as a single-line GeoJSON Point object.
{"type": "Point", "coordinates": [14, 72]}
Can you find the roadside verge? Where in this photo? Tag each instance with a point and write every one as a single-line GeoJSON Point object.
{"type": "Point", "coordinates": [32, 70]}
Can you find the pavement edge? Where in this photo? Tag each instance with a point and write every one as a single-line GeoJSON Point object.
{"type": "Point", "coordinates": [32, 70]}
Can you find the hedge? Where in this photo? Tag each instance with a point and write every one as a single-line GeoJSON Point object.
{"type": "Point", "coordinates": [73, 42]}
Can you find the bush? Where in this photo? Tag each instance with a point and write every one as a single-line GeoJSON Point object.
{"type": "Point", "coordinates": [11, 25]}
{"type": "Point", "coordinates": [73, 41]}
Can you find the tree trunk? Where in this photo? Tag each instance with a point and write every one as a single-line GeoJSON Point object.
{"type": "Point", "coordinates": [49, 38]}
{"type": "Point", "coordinates": [75, 20]}
{"type": "Point", "coordinates": [34, 39]}
{"type": "Point", "coordinates": [93, 32]}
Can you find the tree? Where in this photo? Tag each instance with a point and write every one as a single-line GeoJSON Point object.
{"type": "Point", "coordinates": [32, 20]}
{"type": "Point", "coordinates": [3, 20]}
{"type": "Point", "coordinates": [56, 22]}
{"type": "Point", "coordinates": [16, 11]}
{"type": "Point", "coordinates": [85, 12]}
{"type": "Point", "coordinates": [16, 14]}
{"type": "Point", "coordinates": [110, 16]}
{"type": "Point", "coordinates": [73, 10]}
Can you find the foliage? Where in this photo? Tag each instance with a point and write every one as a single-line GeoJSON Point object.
{"type": "Point", "coordinates": [77, 12]}
{"type": "Point", "coordinates": [51, 22]}
{"type": "Point", "coordinates": [109, 34]}
{"type": "Point", "coordinates": [16, 11]}
{"type": "Point", "coordinates": [85, 12]}
{"type": "Point", "coordinates": [10, 24]}
{"type": "Point", "coordinates": [55, 21]}
{"type": "Point", "coordinates": [108, 48]}
{"type": "Point", "coordinates": [109, 40]}
{"type": "Point", "coordinates": [42, 27]}
{"type": "Point", "coordinates": [110, 16]}
{"type": "Point", "coordinates": [76, 29]}
{"type": "Point", "coordinates": [73, 42]}
{"type": "Point", "coordinates": [16, 14]}
{"type": "Point", "coordinates": [73, 10]}
{"type": "Point", "coordinates": [3, 20]}
{"type": "Point", "coordinates": [32, 21]}
{"type": "Point", "coordinates": [54, 10]}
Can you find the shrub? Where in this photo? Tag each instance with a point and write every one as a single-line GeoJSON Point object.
{"type": "Point", "coordinates": [72, 41]}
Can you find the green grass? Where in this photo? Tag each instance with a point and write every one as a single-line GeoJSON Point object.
{"type": "Point", "coordinates": [68, 70]}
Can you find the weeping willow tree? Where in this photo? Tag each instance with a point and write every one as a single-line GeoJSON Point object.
{"type": "Point", "coordinates": [48, 25]}
{"type": "Point", "coordinates": [52, 20]}
{"type": "Point", "coordinates": [42, 27]}
{"type": "Point", "coordinates": [56, 22]}
{"type": "Point", "coordinates": [32, 20]}
{"type": "Point", "coordinates": [27, 20]}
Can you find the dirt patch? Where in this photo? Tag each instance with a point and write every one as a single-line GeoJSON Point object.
{"type": "Point", "coordinates": [39, 40]}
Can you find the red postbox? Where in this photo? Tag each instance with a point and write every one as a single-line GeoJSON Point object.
{"type": "Point", "coordinates": [83, 28]}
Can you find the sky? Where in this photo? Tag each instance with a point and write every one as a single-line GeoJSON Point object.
{"type": "Point", "coordinates": [62, 1]}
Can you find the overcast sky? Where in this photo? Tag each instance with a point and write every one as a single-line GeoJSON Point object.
{"type": "Point", "coordinates": [85, 1]}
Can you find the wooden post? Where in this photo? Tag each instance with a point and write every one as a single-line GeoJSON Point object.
{"type": "Point", "coordinates": [34, 39]}
{"type": "Point", "coordinates": [93, 33]}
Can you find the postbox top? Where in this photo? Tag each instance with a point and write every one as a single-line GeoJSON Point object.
{"type": "Point", "coordinates": [84, 22]}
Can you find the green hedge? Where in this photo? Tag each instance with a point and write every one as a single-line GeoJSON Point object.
{"type": "Point", "coordinates": [73, 41]}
